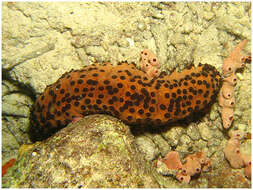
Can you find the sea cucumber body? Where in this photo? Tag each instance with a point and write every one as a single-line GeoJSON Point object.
{"type": "Point", "coordinates": [125, 92]}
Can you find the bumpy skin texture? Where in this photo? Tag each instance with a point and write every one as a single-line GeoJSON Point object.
{"type": "Point", "coordinates": [125, 92]}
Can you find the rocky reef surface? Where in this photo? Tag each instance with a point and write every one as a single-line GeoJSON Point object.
{"type": "Point", "coordinates": [41, 41]}
{"type": "Point", "coordinates": [97, 151]}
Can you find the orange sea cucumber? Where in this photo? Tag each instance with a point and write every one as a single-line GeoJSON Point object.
{"type": "Point", "coordinates": [125, 92]}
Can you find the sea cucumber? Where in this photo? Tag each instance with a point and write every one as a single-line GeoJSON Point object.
{"type": "Point", "coordinates": [125, 92]}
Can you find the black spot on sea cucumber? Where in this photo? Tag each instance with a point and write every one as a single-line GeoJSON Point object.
{"type": "Point", "coordinates": [140, 82]}
{"type": "Point", "coordinates": [114, 76]}
{"type": "Point", "coordinates": [151, 109]}
{"type": "Point", "coordinates": [200, 91]}
{"type": "Point", "coordinates": [68, 106]}
{"type": "Point", "coordinates": [162, 107]}
{"type": "Point", "coordinates": [122, 77]}
{"type": "Point", "coordinates": [76, 103]}
{"type": "Point", "coordinates": [68, 100]}
{"type": "Point", "coordinates": [190, 109]}
{"type": "Point", "coordinates": [141, 111]}
{"type": "Point", "coordinates": [144, 91]}
{"type": "Point", "coordinates": [108, 88]}
{"type": "Point", "coordinates": [121, 109]}
{"type": "Point", "coordinates": [188, 103]}
{"type": "Point", "coordinates": [129, 103]}
{"type": "Point", "coordinates": [132, 110]}
{"type": "Point", "coordinates": [87, 101]}
{"type": "Point", "coordinates": [199, 82]}
{"type": "Point", "coordinates": [110, 101]}
{"type": "Point", "coordinates": [153, 101]}
{"type": "Point", "coordinates": [76, 90]}
{"type": "Point", "coordinates": [80, 81]}
{"type": "Point", "coordinates": [99, 88]}
{"type": "Point", "coordinates": [92, 82]}
{"type": "Point", "coordinates": [58, 103]}
{"type": "Point", "coordinates": [198, 102]}
{"type": "Point", "coordinates": [58, 113]}
{"type": "Point", "coordinates": [167, 115]}
{"type": "Point", "coordinates": [51, 92]}
{"type": "Point", "coordinates": [132, 80]}
{"type": "Point", "coordinates": [128, 93]}
{"type": "Point", "coordinates": [190, 97]}
{"type": "Point", "coordinates": [206, 94]}
{"type": "Point", "coordinates": [133, 87]}
{"type": "Point", "coordinates": [167, 95]}
{"type": "Point", "coordinates": [148, 114]}
{"type": "Point", "coordinates": [120, 85]}
{"type": "Point", "coordinates": [72, 83]}
{"type": "Point", "coordinates": [106, 82]}
{"type": "Point", "coordinates": [63, 109]}
{"type": "Point", "coordinates": [98, 101]}
{"type": "Point", "coordinates": [145, 105]}
{"type": "Point", "coordinates": [115, 90]}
